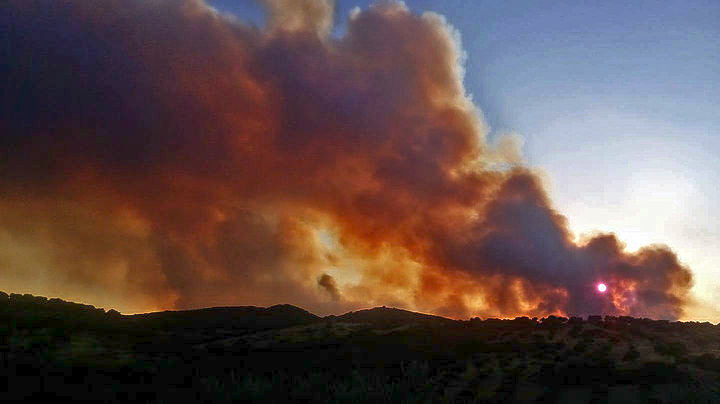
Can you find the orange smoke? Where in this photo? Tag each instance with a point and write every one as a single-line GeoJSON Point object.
{"type": "Point", "coordinates": [160, 155]}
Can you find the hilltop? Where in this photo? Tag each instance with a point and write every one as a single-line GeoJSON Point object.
{"type": "Point", "coordinates": [384, 316]}
{"type": "Point", "coordinates": [232, 318]}
{"type": "Point", "coordinates": [52, 349]}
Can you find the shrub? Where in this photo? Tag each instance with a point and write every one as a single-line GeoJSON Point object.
{"type": "Point", "coordinates": [581, 346]}
{"type": "Point", "coordinates": [676, 349]}
{"type": "Point", "coordinates": [708, 362]}
{"type": "Point", "coordinates": [632, 354]}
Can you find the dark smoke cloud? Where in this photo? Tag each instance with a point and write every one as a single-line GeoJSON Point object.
{"type": "Point", "coordinates": [329, 284]}
{"type": "Point", "coordinates": [156, 154]}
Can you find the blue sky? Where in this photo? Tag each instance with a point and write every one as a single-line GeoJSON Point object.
{"type": "Point", "coordinates": [618, 103]}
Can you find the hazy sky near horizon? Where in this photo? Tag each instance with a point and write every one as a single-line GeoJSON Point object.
{"type": "Point", "coordinates": [617, 103]}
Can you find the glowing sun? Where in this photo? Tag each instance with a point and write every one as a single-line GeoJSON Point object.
{"type": "Point", "coordinates": [601, 287]}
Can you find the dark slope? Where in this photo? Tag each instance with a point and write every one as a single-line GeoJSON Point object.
{"type": "Point", "coordinates": [391, 317]}
{"type": "Point", "coordinates": [236, 318]}
{"type": "Point", "coordinates": [55, 350]}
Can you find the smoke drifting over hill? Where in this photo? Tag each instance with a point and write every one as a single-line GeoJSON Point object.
{"type": "Point", "coordinates": [160, 155]}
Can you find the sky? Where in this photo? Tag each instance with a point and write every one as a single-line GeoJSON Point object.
{"type": "Point", "coordinates": [170, 159]}
{"type": "Point", "coordinates": [616, 101]}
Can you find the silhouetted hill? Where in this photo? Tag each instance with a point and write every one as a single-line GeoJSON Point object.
{"type": "Point", "coordinates": [234, 318]}
{"type": "Point", "coordinates": [55, 350]}
{"type": "Point", "coordinates": [391, 317]}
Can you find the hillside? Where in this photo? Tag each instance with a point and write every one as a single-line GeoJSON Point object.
{"type": "Point", "coordinates": [50, 349]}
{"type": "Point", "coordinates": [384, 316]}
{"type": "Point", "coordinates": [247, 318]}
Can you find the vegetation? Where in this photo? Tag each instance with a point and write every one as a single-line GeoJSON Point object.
{"type": "Point", "coordinates": [51, 349]}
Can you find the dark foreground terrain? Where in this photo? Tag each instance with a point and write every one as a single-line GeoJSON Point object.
{"type": "Point", "coordinates": [55, 350]}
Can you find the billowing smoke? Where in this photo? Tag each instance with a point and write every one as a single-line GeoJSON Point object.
{"type": "Point", "coordinates": [328, 282]}
{"type": "Point", "coordinates": [157, 154]}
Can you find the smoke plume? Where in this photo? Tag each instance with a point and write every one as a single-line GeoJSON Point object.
{"type": "Point", "coordinates": [157, 154]}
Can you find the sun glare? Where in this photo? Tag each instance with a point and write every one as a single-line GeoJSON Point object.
{"type": "Point", "coordinates": [601, 287]}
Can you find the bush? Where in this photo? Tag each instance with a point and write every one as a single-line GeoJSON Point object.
{"type": "Point", "coordinates": [580, 347]}
{"type": "Point", "coordinates": [632, 354]}
{"type": "Point", "coordinates": [708, 362]}
{"type": "Point", "coordinates": [676, 349]}
{"type": "Point", "coordinates": [659, 372]}
{"type": "Point", "coordinates": [575, 331]}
